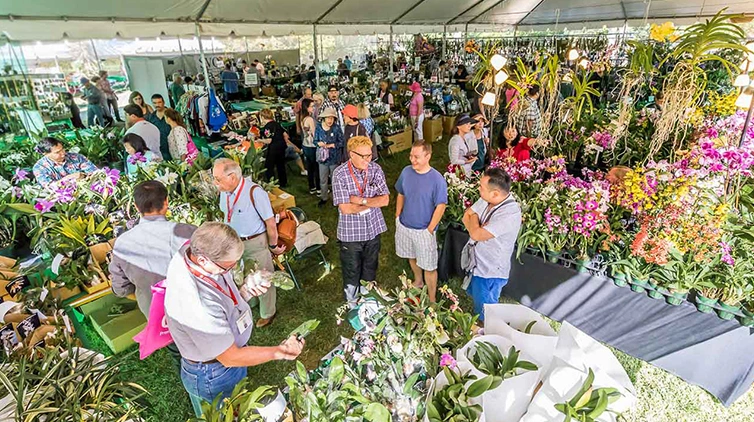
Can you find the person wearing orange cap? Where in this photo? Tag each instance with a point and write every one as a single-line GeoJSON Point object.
{"type": "Point", "coordinates": [352, 126]}
{"type": "Point", "coordinates": [416, 111]}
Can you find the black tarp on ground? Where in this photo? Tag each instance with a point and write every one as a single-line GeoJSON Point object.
{"type": "Point", "coordinates": [699, 348]}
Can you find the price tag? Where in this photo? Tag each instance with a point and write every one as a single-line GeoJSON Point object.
{"type": "Point", "coordinates": [8, 338]}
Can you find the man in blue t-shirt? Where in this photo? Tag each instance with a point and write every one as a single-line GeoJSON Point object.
{"type": "Point", "coordinates": [422, 198]}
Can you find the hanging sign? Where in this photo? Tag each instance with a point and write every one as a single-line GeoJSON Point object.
{"type": "Point", "coordinates": [251, 79]}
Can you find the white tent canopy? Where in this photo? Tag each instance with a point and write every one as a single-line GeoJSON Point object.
{"type": "Point", "coordinates": [86, 19]}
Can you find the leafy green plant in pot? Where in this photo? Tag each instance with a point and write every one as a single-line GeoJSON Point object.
{"type": "Point", "coordinates": [588, 403]}
{"type": "Point", "coordinates": [638, 270]}
{"type": "Point", "coordinates": [682, 273]}
{"type": "Point", "coordinates": [453, 401]}
{"type": "Point", "coordinates": [487, 359]}
{"type": "Point", "coordinates": [242, 405]}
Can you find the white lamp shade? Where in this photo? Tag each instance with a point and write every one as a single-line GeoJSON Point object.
{"type": "Point", "coordinates": [489, 99]}
{"type": "Point", "coordinates": [497, 61]}
{"type": "Point", "coordinates": [745, 65]}
{"type": "Point", "coordinates": [750, 46]}
{"type": "Point", "coordinates": [501, 77]}
{"type": "Point", "coordinates": [741, 80]}
{"type": "Point", "coordinates": [584, 63]}
{"type": "Point", "coordinates": [573, 54]}
{"type": "Point", "coordinates": [744, 99]}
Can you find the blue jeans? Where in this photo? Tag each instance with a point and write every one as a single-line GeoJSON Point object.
{"type": "Point", "coordinates": [485, 290]}
{"type": "Point", "coordinates": [92, 111]}
{"type": "Point", "coordinates": [204, 381]}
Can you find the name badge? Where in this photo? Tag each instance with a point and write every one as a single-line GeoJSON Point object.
{"type": "Point", "coordinates": [244, 321]}
{"type": "Point", "coordinates": [365, 212]}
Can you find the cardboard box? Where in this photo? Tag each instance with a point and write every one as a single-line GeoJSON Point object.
{"type": "Point", "coordinates": [63, 293]}
{"type": "Point", "coordinates": [448, 122]}
{"type": "Point", "coordinates": [401, 141]}
{"type": "Point", "coordinates": [6, 274]}
{"type": "Point", "coordinates": [278, 203]}
{"type": "Point", "coordinates": [269, 91]}
{"type": "Point", "coordinates": [116, 331]}
{"type": "Point", "coordinates": [433, 130]}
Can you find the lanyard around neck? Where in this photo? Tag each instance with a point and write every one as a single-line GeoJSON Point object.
{"type": "Point", "coordinates": [235, 200]}
{"type": "Point", "coordinates": [361, 188]}
{"type": "Point", "coordinates": [209, 281]}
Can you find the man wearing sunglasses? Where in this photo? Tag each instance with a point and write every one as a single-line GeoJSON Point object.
{"type": "Point", "coordinates": [359, 191]}
{"type": "Point", "coordinates": [208, 316]}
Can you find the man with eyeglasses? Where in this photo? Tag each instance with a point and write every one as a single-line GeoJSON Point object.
{"type": "Point", "coordinates": [247, 209]}
{"type": "Point", "coordinates": [209, 319]}
{"type": "Point", "coordinates": [359, 191]}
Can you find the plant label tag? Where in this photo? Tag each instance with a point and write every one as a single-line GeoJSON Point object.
{"type": "Point", "coordinates": [43, 294]}
{"type": "Point", "coordinates": [27, 326]}
{"type": "Point", "coordinates": [55, 266]}
{"type": "Point", "coordinates": [8, 338]}
{"type": "Point", "coordinates": [17, 285]}
{"type": "Point", "coordinates": [67, 322]}
{"type": "Point", "coordinates": [244, 321]}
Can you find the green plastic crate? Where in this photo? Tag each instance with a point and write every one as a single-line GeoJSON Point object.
{"type": "Point", "coordinates": [116, 331]}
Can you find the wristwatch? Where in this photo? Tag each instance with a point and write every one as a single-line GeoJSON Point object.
{"type": "Point", "coordinates": [363, 201]}
{"type": "Point", "coordinates": [272, 246]}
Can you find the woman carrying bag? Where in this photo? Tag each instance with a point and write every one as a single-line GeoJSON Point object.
{"type": "Point", "coordinates": [329, 140]}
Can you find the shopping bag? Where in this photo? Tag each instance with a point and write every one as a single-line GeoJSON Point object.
{"type": "Point", "coordinates": [441, 381]}
{"type": "Point", "coordinates": [511, 321]}
{"type": "Point", "coordinates": [509, 401]}
{"type": "Point", "coordinates": [156, 334]}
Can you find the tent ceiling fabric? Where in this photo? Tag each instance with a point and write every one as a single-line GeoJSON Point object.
{"type": "Point", "coordinates": [50, 19]}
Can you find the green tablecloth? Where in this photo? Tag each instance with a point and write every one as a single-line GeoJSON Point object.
{"type": "Point", "coordinates": [254, 105]}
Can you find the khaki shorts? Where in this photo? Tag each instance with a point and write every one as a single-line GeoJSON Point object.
{"type": "Point", "coordinates": [420, 245]}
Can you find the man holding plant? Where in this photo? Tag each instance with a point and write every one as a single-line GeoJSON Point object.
{"type": "Point", "coordinates": [422, 198]}
{"type": "Point", "coordinates": [208, 316]}
{"type": "Point", "coordinates": [493, 223]}
{"type": "Point", "coordinates": [247, 209]}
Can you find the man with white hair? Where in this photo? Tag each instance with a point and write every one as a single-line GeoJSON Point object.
{"type": "Point", "coordinates": [208, 316]}
{"type": "Point", "coordinates": [246, 207]}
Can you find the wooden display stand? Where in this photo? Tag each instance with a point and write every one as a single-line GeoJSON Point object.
{"type": "Point", "coordinates": [433, 129]}
{"type": "Point", "coordinates": [448, 122]}
{"type": "Point", "coordinates": [401, 141]}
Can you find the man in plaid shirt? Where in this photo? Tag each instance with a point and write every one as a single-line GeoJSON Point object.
{"type": "Point", "coordinates": [359, 191]}
{"type": "Point", "coordinates": [529, 122]}
{"type": "Point", "coordinates": [333, 101]}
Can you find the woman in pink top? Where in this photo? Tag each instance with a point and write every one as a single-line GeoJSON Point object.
{"type": "Point", "coordinates": [416, 110]}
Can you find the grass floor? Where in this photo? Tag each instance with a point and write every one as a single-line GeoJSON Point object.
{"type": "Point", "coordinates": [661, 396]}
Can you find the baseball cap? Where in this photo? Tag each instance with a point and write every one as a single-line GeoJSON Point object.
{"type": "Point", "coordinates": [350, 111]}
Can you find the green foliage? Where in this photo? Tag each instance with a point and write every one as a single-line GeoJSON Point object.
{"type": "Point", "coordinates": [487, 358]}
{"type": "Point", "coordinates": [453, 401]}
{"type": "Point", "coordinates": [241, 406]}
{"type": "Point", "coordinates": [305, 328]}
{"type": "Point", "coordinates": [588, 403]}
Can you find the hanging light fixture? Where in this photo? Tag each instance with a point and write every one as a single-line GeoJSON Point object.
{"type": "Point", "coordinates": [750, 46]}
{"type": "Point", "coordinates": [741, 80]}
{"type": "Point", "coordinates": [501, 77]}
{"type": "Point", "coordinates": [489, 99]}
{"type": "Point", "coordinates": [573, 54]}
{"type": "Point", "coordinates": [744, 98]}
{"type": "Point", "coordinates": [497, 61]}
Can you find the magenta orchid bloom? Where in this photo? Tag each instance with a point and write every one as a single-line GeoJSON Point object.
{"type": "Point", "coordinates": [447, 360]}
{"type": "Point", "coordinates": [20, 175]}
{"type": "Point", "coordinates": [43, 205]}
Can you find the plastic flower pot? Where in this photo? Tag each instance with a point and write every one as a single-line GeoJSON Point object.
{"type": "Point", "coordinates": [704, 304]}
{"type": "Point", "coordinates": [653, 291]}
{"type": "Point", "coordinates": [747, 320]}
{"type": "Point", "coordinates": [553, 256]}
{"type": "Point", "coordinates": [619, 279]}
{"type": "Point", "coordinates": [726, 312]}
{"type": "Point", "coordinates": [640, 286]}
{"type": "Point", "coordinates": [674, 298]}
{"type": "Point", "coordinates": [582, 265]}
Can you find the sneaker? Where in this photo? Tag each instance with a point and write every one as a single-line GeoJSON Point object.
{"type": "Point", "coordinates": [313, 191]}
{"type": "Point", "coordinates": [304, 173]}
{"type": "Point", "coordinates": [319, 192]}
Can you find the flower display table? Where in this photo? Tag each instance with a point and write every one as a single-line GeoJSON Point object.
{"type": "Point", "coordinates": [699, 348]}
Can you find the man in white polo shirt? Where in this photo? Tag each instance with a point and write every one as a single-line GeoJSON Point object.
{"type": "Point", "coordinates": [253, 220]}
{"type": "Point", "coordinates": [209, 319]}
{"type": "Point", "coordinates": [141, 127]}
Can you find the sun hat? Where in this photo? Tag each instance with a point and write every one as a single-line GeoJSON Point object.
{"type": "Point", "coordinates": [415, 87]}
{"type": "Point", "coordinates": [350, 111]}
{"type": "Point", "coordinates": [480, 118]}
{"type": "Point", "coordinates": [464, 120]}
{"type": "Point", "coordinates": [328, 112]}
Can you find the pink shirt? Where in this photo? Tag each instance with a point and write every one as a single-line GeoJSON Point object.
{"type": "Point", "coordinates": [417, 101]}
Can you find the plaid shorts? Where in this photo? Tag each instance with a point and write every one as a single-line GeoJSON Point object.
{"type": "Point", "coordinates": [416, 244]}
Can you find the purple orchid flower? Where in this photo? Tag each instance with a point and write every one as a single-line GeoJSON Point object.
{"type": "Point", "coordinates": [20, 175]}
{"type": "Point", "coordinates": [43, 205]}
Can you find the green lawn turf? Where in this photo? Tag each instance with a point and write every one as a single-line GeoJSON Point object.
{"type": "Point", "coordinates": [661, 396]}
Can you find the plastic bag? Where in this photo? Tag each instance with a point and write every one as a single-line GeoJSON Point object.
{"type": "Point", "coordinates": [156, 334]}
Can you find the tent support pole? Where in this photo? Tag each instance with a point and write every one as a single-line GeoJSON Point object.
{"type": "Point", "coordinates": [316, 55]}
{"type": "Point", "coordinates": [465, 36]}
{"type": "Point", "coordinates": [201, 55]}
{"type": "Point", "coordinates": [96, 56]}
{"type": "Point", "coordinates": [183, 58]}
{"type": "Point", "coordinates": [444, 40]}
{"type": "Point", "coordinates": [390, 55]}
{"type": "Point", "coordinates": [246, 43]}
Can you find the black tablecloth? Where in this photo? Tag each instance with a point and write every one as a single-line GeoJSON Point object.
{"type": "Point", "coordinates": [699, 348]}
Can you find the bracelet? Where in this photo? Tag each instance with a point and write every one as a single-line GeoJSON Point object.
{"type": "Point", "coordinates": [272, 246]}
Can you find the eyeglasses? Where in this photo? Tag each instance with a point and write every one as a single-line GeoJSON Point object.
{"type": "Point", "coordinates": [363, 156]}
{"type": "Point", "coordinates": [225, 270]}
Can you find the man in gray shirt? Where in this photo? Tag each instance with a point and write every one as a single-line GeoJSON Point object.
{"type": "Point", "coordinates": [141, 256]}
{"type": "Point", "coordinates": [493, 223]}
{"type": "Point", "coordinates": [93, 97]}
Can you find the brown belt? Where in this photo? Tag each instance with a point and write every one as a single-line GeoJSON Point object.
{"type": "Point", "coordinates": [206, 363]}
{"type": "Point", "coordinates": [243, 239]}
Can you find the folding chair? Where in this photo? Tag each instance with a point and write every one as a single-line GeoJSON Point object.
{"type": "Point", "coordinates": [311, 250]}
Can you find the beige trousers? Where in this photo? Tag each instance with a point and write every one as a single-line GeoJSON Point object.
{"type": "Point", "coordinates": [258, 250]}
